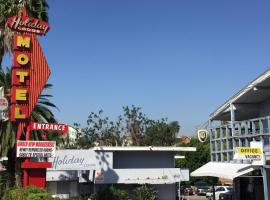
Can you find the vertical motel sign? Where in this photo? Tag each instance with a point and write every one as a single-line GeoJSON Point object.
{"type": "Point", "coordinates": [30, 73]}
{"type": "Point", "coordinates": [30, 70]}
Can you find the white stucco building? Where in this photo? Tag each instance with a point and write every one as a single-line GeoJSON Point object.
{"type": "Point", "coordinates": [78, 172]}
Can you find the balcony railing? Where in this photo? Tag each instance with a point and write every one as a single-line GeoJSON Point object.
{"type": "Point", "coordinates": [224, 138]}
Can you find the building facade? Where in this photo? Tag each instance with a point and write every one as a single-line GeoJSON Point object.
{"type": "Point", "coordinates": [83, 172]}
{"type": "Point", "coordinates": [242, 121]}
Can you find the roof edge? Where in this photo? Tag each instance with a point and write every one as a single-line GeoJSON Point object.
{"type": "Point", "coordinates": [247, 88]}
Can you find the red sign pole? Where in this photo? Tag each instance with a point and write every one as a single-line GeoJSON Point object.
{"type": "Point", "coordinates": [26, 161]}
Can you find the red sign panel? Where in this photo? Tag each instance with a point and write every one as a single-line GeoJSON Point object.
{"type": "Point", "coordinates": [39, 75]}
{"type": "Point", "coordinates": [28, 24]}
{"type": "Point", "coordinates": [61, 128]}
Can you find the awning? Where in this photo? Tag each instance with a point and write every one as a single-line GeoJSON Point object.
{"type": "Point", "coordinates": [223, 170]}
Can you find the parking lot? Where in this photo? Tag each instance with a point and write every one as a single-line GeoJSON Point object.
{"type": "Point", "coordinates": [195, 197]}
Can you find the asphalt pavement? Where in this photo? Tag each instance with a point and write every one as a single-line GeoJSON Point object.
{"type": "Point", "coordinates": [195, 197]}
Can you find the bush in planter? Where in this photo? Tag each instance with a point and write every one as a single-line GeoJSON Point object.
{"type": "Point", "coordinates": [146, 192]}
{"type": "Point", "coordinates": [110, 193]}
{"type": "Point", "coordinates": [28, 193]}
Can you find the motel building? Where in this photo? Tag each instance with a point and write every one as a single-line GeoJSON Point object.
{"type": "Point", "coordinates": [239, 132]}
{"type": "Point", "coordinates": [83, 172]}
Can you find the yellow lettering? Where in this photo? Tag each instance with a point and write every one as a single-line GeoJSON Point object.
{"type": "Point", "coordinates": [23, 41]}
{"type": "Point", "coordinates": [18, 114]}
{"type": "Point", "coordinates": [21, 95]}
{"type": "Point", "coordinates": [22, 76]}
{"type": "Point", "coordinates": [22, 59]}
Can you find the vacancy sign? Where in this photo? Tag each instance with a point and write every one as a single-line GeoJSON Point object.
{"type": "Point", "coordinates": [254, 153]}
{"type": "Point", "coordinates": [35, 149]}
{"type": "Point", "coordinates": [61, 128]}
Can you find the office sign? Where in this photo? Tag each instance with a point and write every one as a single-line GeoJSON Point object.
{"type": "Point", "coordinates": [246, 153]}
{"type": "Point", "coordinates": [254, 153]}
{"type": "Point", "coordinates": [33, 149]}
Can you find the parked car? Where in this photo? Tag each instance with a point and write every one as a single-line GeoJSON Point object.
{"type": "Point", "coordinates": [220, 190]}
{"type": "Point", "coordinates": [226, 196]}
{"type": "Point", "coordinates": [210, 192]}
{"type": "Point", "coordinates": [202, 190]}
{"type": "Point", "coordinates": [188, 191]}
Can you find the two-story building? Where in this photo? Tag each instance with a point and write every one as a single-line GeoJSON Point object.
{"type": "Point", "coordinates": [242, 124]}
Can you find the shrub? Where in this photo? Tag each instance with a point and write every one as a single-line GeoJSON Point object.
{"type": "Point", "coordinates": [110, 193]}
{"type": "Point", "coordinates": [146, 192]}
{"type": "Point", "coordinates": [28, 193]}
{"type": "Point", "coordinates": [6, 182]}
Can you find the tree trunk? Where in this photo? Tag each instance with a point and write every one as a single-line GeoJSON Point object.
{"type": "Point", "coordinates": [14, 167]}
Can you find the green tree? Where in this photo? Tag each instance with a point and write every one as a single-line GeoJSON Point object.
{"type": "Point", "coordinates": [8, 129]}
{"type": "Point", "coordinates": [9, 8]}
{"type": "Point", "coordinates": [194, 160]}
{"type": "Point", "coordinates": [100, 130]}
{"type": "Point", "coordinates": [133, 127]}
{"type": "Point", "coordinates": [136, 124]}
{"type": "Point", "coordinates": [161, 133]}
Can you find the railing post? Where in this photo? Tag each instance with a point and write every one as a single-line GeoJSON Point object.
{"type": "Point", "coordinates": [216, 147]}
{"type": "Point", "coordinates": [210, 135]}
{"type": "Point", "coordinates": [232, 124]}
{"type": "Point", "coordinates": [227, 144]}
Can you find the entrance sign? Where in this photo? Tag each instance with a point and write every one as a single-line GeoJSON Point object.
{"type": "Point", "coordinates": [28, 24]}
{"type": "Point", "coordinates": [61, 128]}
{"type": "Point", "coordinates": [33, 149]}
{"type": "Point", "coordinates": [202, 135]}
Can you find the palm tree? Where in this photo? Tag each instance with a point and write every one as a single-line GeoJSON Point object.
{"type": "Point", "coordinates": [8, 8]}
{"type": "Point", "coordinates": [8, 129]}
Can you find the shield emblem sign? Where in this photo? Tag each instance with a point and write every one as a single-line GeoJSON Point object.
{"type": "Point", "coordinates": [202, 135]}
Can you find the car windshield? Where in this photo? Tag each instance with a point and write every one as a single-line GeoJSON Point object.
{"type": "Point", "coordinates": [229, 188]}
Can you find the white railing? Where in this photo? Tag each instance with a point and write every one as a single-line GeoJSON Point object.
{"type": "Point", "coordinates": [224, 138]}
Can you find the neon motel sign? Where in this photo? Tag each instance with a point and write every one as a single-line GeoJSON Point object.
{"type": "Point", "coordinates": [20, 77]}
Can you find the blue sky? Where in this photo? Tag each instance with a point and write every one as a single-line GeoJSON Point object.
{"type": "Point", "coordinates": [178, 59]}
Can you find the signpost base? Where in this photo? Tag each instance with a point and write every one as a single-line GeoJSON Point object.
{"type": "Point", "coordinates": [35, 173]}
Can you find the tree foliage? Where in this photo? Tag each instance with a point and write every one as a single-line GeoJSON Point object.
{"type": "Point", "coordinates": [28, 193]}
{"type": "Point", "coordinates": [133, 127]}
{"type": "Point", "coordinates": [111, 193]}
{"type": "Point", "coordinates": [146, 192]}
{"type": "Point", "coordinates": [194, 160]}
{"type": "Point", "coordinates": [9, 8]}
